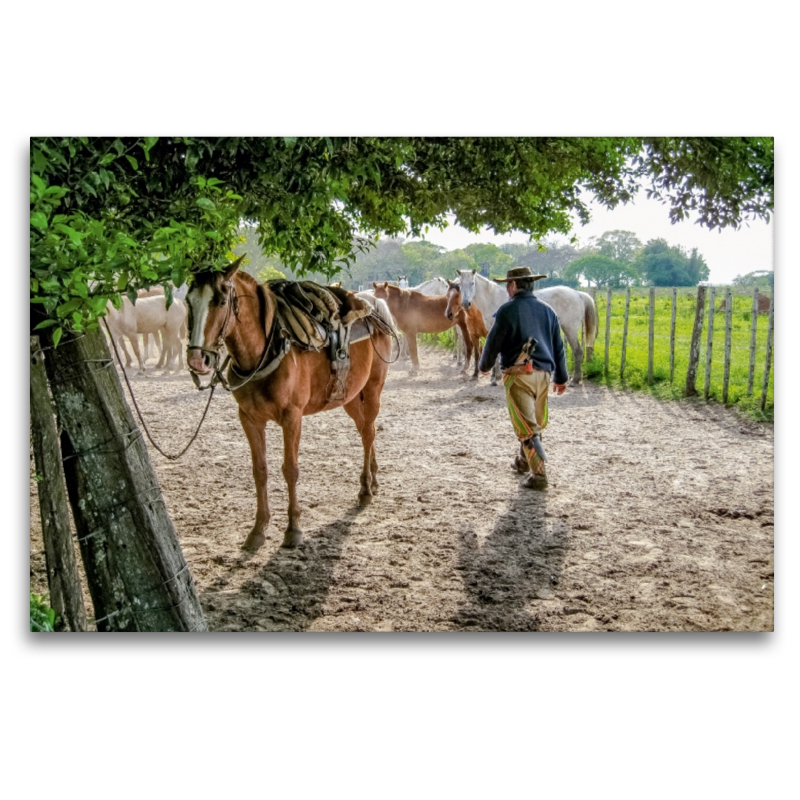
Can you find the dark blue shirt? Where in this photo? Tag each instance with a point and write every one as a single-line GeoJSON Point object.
{"type": "Point", "coordinates": [524, 316]}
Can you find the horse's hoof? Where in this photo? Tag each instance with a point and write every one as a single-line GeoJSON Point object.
{"type": "Point", "coordinates": [253, 541]}
{"type": "Point", "coordinates": [292, 538]}
{"type": "Point", "coordinates": [364, 499]}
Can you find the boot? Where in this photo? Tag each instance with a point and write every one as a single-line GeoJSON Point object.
{"type": "Point", "coordinates": [535, 482]}
{"type": "Point", "coordinates": [520, 463]}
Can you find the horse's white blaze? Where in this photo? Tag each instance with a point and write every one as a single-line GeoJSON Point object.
{"type": "Point", "coordinates": [199, 300]}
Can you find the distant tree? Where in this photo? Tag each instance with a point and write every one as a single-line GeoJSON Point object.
{"type": "Point", "coordinates": [697, 268]}
{"type": "Point", "coordinates": [490, 259]}
{"type": "Point", "coordinates": [551, 260]}
{"type": "Point", "coordinates": [622, 246]}
{"type": "Point", "coordinates": [601, 270]}
{"type": "Point", "coordinates": [384, 260]}
{"type": "Point", "coordinates": [665, 265]}
{"type": "Point", "coordinates": [422, 257]}
{"type": "Point", "coordinates": [448, 265]}
{"type": "Point", "coordinates": [763, 278]}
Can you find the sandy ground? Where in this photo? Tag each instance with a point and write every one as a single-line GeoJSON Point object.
{"type": "Point", "coordinates": [659, 515]}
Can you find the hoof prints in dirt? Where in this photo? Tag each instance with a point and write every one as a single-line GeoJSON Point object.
{"type": "Point", "coordinates": [633, 534]}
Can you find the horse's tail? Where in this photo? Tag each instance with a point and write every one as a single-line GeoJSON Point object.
{"type": "Point", "coordinates": [589, 320]}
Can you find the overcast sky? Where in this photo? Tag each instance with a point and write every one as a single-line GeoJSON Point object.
{"type": "Point", "coordinates": [728, 253]}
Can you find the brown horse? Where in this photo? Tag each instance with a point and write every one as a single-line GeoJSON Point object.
{"type": "Point", "coordinates": [231, 307]}
{"type": "Point", "coordinates": [415, 313]}
{"type": "Point", "coordinates": [476, 328]}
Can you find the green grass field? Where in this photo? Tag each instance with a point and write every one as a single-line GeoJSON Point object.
{"type": "Point", "coordinates": [636, 352]}
{"type": "Point", "coordinates": [635, 376]}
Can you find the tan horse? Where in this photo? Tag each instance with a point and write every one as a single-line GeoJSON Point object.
{"type": "Point", "coordinates": [415, 313]}
{"type": "Point", "coordinates": [476, 329]}
{"type": "Point", "coordinates": [231, 307]}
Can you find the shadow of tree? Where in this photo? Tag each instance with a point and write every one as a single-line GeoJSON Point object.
{"type": "Point", "coordinates": [519, 562]}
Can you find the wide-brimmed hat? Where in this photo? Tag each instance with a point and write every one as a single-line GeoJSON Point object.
{"type": "Point", "coordinates": [517, 273]}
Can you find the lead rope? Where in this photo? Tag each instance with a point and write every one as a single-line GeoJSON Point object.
{"type": "Point", "coordinates": [139, 413]}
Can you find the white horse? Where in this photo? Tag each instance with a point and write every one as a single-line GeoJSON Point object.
{"type": "Point", "coordinates": [149, 315]}
{"type": "Point", "coordinates": [575, 310]}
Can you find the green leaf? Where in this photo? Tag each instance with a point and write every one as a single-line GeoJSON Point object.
{"type": "Point", "coordinates": [204, 202]}
{"type": "Point", "coordinates": [74, 236]}
{"type": "Point", "coordinates": [57, 334]}
{"type": "Point", "coordinates": [133, 162]}
{"type": "Point", "coordinates": [39, 220]}
{"type": "Point", "coordinates": [107, 159]}
{"type": "Point", "coordinates": [149, 141]}
{"type": "Point", "coordinates": [46, 324]}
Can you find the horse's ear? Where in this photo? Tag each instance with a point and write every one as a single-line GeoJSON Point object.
{"type": "Point", "coordinates": [474, 271]}
{"type": "Point", "coordinates": [233, 267]}
{"type": "Point", "coordinates": [450, 283]}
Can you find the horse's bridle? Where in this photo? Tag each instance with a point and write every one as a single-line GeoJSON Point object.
{"type": "Point", "coordinates": [219, 377]}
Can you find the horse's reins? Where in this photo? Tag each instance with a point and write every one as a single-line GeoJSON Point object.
{"type": "Point", "coordinates": [169, 456]}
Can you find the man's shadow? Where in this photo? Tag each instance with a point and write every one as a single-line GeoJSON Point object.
{"type": "Point", "coordinates": [519, 562]}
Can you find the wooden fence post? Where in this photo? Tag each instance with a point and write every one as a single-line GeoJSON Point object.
{"type": "Point", "coordinates": [709, 343]}
{"type": "Point", "coordinates": [651, 335]}
{"type": "Point", "coordinates": [728, 332]}
{"type": "Point", "coordinates": [765, 385]}
{"type": "Point", "coordinates": [694, 350]}
{"type": "Point", "coordinates": [672, 334]}
{"type": "Point", "coordinates": [63, 581]}
{"type": "Point", "coordinates": [608, 327]}
{"type": "Point", "coordinates": [625, 332]}
{"type": "Point", "coordinates": [753, 327]}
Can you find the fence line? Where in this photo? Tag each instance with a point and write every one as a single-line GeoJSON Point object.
{"type": "Point", "coordinates": [650, 335]}
{"type": "Point", "coordinates": [753, 326]}
{"type": "Point", "coordinates": [671, 331]}
{"type": "Point", "coordinates": [765, 385]}
{"type": "Point", "coordinates": [728, 332]}
{"type": "Point", "coordinates": [722, 364]}
{"type": "Point", "coordinates": [709, 343]}
{"type": "Point", "coordinates": [625, 331]}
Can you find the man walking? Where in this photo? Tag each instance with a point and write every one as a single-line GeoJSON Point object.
{"type": "Point", "coordinates": [527, 337]}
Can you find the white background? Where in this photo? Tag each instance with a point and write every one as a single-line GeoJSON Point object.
{"type": "Point", "coordinates": [468, 715]}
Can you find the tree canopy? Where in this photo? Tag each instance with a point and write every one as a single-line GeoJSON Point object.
{"type": "Point", "coordinates": [111, 215]}
{"type": "Point", "coordinates": [664, 265]}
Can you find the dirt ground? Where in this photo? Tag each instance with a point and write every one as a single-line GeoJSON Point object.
{"type": "Point", "coordinates": [659, 515]}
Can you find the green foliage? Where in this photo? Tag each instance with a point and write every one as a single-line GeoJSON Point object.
{"type": "Point", "coordinates": [83, 252]}
{"type": "Point", "coordinates": [489, 258]}
{"type": "Point", "coordinates": [111, 215]}
{"type": "Point", "coordinates": [762, 278]}
{"type": "Point", "coordinates": [268, 273]}
{"type": "Point", "coordinates": [549, 258]}
{"type": "Point", "coordinates": [723, 180]}
{"type": "Point", "coordinates": [620, 246]}
{"type": "Point", "coordinates": [602, 271]}
{"type": "Point", "coordinates": [664, 265]}
{"type": "Point", "coordinates": [43, 618]}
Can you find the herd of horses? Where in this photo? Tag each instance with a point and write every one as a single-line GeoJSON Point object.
{"type": "Point", "coordinates": [231, 310]}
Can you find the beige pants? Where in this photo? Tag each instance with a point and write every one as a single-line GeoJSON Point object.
{"type": "Point", "coordinates": [526, 397]}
